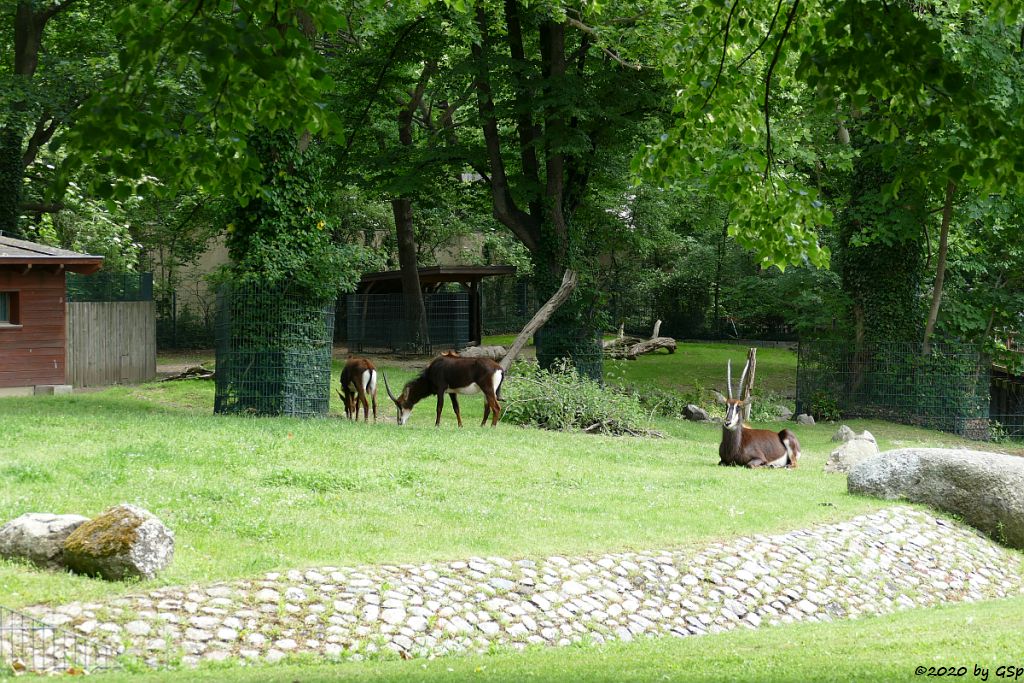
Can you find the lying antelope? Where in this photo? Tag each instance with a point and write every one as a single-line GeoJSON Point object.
{"type": "Point", "coordinates": [752, 447]}
{"type": "Point", "coordinates": [358, 378]}
{"type": "Point", "coordinates": [453, 375]}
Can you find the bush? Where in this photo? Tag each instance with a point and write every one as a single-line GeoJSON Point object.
{"type": "Point", "coordinates": [561, 399]}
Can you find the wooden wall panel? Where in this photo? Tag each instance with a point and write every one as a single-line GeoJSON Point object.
{"type": "Point", "coordinates": [111, 343]}
{"type": "Point", "coordinates": [34, 352]}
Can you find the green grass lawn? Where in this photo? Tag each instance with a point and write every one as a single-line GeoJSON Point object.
{"type": "Point", "coordinates": [700, 366]}
{"type": "Point", "coordinates": [245, 495]}
{"type": "Point", "coordinates": [887, 648]}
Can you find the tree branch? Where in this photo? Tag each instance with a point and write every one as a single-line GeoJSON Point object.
{"type": "Point", "coordinates": [769, 154]}
{"type": "Point", "coordinates": [575, 23]}
{"type": "Point", "coordinates": [764, 40]}
{"type": "Point", "coordinates": [725, 47]}
{"type": "Point", "coordinates": [505, 210]}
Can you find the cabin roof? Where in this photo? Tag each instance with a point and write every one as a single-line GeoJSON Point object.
{"type": "Point", "coordinates": [15, 252]}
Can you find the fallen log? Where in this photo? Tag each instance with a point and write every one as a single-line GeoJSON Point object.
{"type": "Point", "coordinates": [494, 352]}
{"type": "Point", "coordinates": [631, 351]}
{"type": "Point", "coordinates": [194, 372]}
{"type": "Point", "coordinates": [620, 341]}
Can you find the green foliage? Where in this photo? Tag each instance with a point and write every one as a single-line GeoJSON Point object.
{"type": "Point", "coordinates": [824, 407]}
{"type": "Point", "coordinates": [281, 237]}
{"type": "Point", "coordinates": [561, 399]}
{"type": "Point", "coordinates": [936, 86]}
{"type": "Point", "coordinates": [89, 226]}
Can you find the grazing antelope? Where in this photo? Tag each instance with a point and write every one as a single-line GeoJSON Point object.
{"type": "Point", "coordinates": [358, 378]}
{"type": "Point", "coordinates": [453, 375]}
{"type": "Point", "coordinates": [752, 447]}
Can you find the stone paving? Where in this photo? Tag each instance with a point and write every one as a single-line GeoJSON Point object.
{"type": "Point", "coordinates": [894, 559]}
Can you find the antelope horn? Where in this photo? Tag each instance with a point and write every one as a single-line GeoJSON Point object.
{"type": "Point", "coordinates": [728, 375]}
{"type": "Point", "coordinates": [390, 395]}
{"type": "Point", "coordinates": [743, 378]}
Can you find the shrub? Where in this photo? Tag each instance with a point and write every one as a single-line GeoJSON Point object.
{"type": "Point", "coordinates": [561, 399]}
{"type": "Point", "coordinates": [825, 407]}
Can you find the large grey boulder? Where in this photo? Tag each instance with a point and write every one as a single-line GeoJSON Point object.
{"type": "Point", "coordinates": [854, 451]}
{"type": "Point", "coordinates": [125, 541]}
{"type": "Point", "coordinates": [695, 413]}
{"type": "Point", "coordinates": [804, 419]}
{"type": "Point", "coordinates": [38, 537]}
{"type": "Point", "coordinates": [985, 489]}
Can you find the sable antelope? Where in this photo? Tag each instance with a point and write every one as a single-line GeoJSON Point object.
{"type": "Point", "coordinates": [752, 447]}
{"type": "Point", "coordinates": [358, 378]}
{"type": "Point", "coordinates": [453, 375]}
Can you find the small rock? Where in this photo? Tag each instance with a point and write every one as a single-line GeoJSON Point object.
{"type": "Point", "coordinates": [804, 419]}
{"type": "Point", "coordinates": [843, 435]}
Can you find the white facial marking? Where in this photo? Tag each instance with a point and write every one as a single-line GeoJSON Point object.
{"type": "Point", "coordinates": [403, 417]}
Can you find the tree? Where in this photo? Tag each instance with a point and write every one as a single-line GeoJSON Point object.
{"type": "Point", "coordinates": [934, 97]}
{"type": "Point", "coordinates": [59, 52]}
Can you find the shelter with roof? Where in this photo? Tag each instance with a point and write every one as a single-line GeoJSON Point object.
{"type": "Point", "coordinates": [375, 314]}
{"type": "Point", "coordinates": [32, 312]}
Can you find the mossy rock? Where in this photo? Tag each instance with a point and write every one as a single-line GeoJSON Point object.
{"type": "Point", "coordinates": [123, 542]}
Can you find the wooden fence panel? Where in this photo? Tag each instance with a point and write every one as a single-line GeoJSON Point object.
{"type": "Point", "coordinates": [111, 343]}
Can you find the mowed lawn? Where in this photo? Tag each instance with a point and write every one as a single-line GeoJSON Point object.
{"type": "Point", "coordinates": [245, 495]}
{"type": "Point", "coordinates": [699, 365]}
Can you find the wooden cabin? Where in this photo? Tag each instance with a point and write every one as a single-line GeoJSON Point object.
{"type": "Point", "coordinates": [33, 314]}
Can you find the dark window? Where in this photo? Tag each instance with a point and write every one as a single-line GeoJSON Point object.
{"type": "Point", "coordinates": [8, 308]}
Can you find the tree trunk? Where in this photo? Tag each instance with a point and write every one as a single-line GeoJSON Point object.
{"type": "Point", "coordinates": [748, 384]}
{"type": "Point", "coordinates": [540, 317]}
{"type": "Point", "coordinates": [718, 277]}
{"type": "Point", "coordinates": [940, 267]}
{"type": "Point", "coordinates": [412, 294]}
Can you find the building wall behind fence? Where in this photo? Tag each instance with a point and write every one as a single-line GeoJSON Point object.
{"type": "Point", "coordinates": [111, 342]}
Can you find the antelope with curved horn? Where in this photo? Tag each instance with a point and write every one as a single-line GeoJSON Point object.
{"type": "Point", "coordinates": [453, 375]}
{"type": "Point", "coordinates": [752, 447]}
{"type": "Point", "coordinates": [358, 378]}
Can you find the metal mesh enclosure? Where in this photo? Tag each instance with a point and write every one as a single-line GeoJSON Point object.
{"type": "Point", "coordinates": [28, 645]}
{"type": "Point", "coordinates": [110, 286]}
{"type": "Point", "coordinates": [273, 352]}
{"type": "Point", "coordinates": [507, 305]}
{"type": "Point", "coordinates": [947, 389]}
{"type": "Point", "coordinates": [1007, 407]}
{"type": "Point", "coordinates": [581, 346]}
{"type": "Point", "coordinates": [376, 322]}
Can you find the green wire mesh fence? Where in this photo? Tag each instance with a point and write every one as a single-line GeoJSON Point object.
{"type": "Point", "coordinates": [109, 286]}
{"type": "Point", "coordinates": [580, 346]}
{"type": "Point", "coordinates": [945, 389]}
{"type": "Point", "coordinates": [273, 352]}
{"type": "Point", "coordinates": [377, 323]}
{"type": "Point", "coordinates": [1007, 408]}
